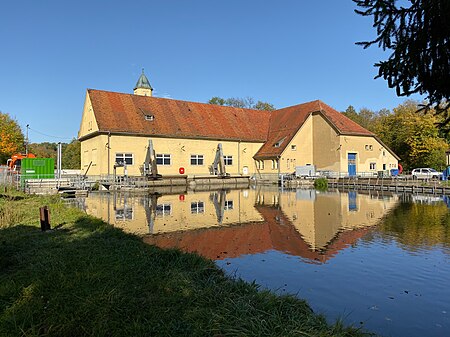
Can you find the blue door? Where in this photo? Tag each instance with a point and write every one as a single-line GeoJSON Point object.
{"type": "Point", "coordinates": [352, 164]}
{"type": "Point", "coordinates": [352, 207]}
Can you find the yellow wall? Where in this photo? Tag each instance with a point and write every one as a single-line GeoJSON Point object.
{"type": "Point", "coordinates": [93, 150]}
{"type": "Point", "coordinates": [325, 144]}
{"type": "Point", "coordinates": [143, 92]}
{"type": "Point", "coordinates": [139, 219]}
{"type": "Point", "coordinates": [179, 149]}
{"type": "Point", "coordinates": [88, 123]}
{"type": "Point", "coordinates": [368, 150]}
{"type": "Point", "coordinates": [319, 217]}
{"type": "Point", "coordinates": [299, 151]}
{"type": "Point", "coordinates": [319, 144]}
{"type": "Point", "coordinates": [267, 166]}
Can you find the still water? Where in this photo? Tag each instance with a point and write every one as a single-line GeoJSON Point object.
{"type": "Point", "coordinates": [376, 260]}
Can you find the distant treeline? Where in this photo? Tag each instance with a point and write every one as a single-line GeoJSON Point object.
{"type": "Point", "coordinates": [71, 153]}
{"type": "Point", "coordinates": [415, 136]}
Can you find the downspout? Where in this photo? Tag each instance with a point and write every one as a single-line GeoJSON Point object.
{"type": "Point", "coordinates": [109, 152]}
{"type": "Point", "coordinates": [239, 156]}
{"type": "Point", "coordinates": [278, 164]}
{"type": "Point", "coordinates": [257, 168]}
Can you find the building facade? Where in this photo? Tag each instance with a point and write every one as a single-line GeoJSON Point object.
{"type": "Point", "coordinates": [117, 127]}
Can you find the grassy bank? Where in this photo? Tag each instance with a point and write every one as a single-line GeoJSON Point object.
{"type": "Point", "coordinates": [86, 278]}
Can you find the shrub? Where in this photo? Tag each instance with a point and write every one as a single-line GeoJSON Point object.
{"type": "Point", "coordinates": [321, 183]}
{"type": "Point", "coordinates": [96, 186]}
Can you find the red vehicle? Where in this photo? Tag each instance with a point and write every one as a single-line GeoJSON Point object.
{"type": "Point", "coordinates": [14, 162]}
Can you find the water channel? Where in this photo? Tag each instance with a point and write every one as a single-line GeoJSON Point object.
{"type": "Point", "coordinates": [373, 259]}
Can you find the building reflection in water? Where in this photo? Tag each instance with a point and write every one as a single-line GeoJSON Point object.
{"type": "Point", "coordinates": [230, 223]}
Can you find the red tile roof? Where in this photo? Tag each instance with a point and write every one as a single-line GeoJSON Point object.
{"type": "Point", "coordinates": [284, 124]}
{"type": "Point", "coordinates": [125, 113]}
{"type": "Point", "coordinates": [252, 238]}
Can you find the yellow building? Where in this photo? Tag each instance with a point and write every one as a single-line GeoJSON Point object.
{"type": "Point", "coordinates": [224, 224]}
{"type": "Point", "coordinates": [117, 127]}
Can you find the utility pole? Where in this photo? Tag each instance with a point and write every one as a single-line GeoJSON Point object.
{"type": "Point", "coordinates": [59, 161]}
{"type": "Point", "coordinates": [26, 142]}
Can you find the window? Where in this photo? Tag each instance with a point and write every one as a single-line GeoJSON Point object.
{"type": "Point", "coordinates": [369, 147]}
{"type": "Point", "coordinates": [197, 207]}
{"type": "Point", "coordinates": [370, 215]}
{"type": "Point", "coordinates": [372, 166]}
{"type": "Point", "coordinates": [261, 164]}
{"type": "Point", "coordinates": [86, 160]}
{"type": "Point", "coordinates": [163, 159]}
{"type": "Point", "coordinates": [123, 214]}
{"type": "Point", "coordinates": [294, 147]}
{"type": "Point", "coordinates": [228, 160]}
{"type": "Point", "coordinates": [94, 157]}
{"type": "Point", "coordinates": [228, 205]}
{"type": "Point", "coordinates": [196, 159]}
{"type": "Point", "coordinates": [278, 144]}
{"type": "Point", "coordinates": [274, 164]}
{"type": "Point", "coordinates": [149, 117]}
{"type": "Point", "coordinates": [163, 209]}
{"type": "Point", "coordinates": [124, 158]}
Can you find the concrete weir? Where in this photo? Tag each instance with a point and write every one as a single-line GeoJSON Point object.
{"type": "Point", "coordinates": [191, 182]}
{"type": "Point", "coordinates": [78, 186]}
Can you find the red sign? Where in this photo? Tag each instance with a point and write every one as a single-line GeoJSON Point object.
{"type": "Point", "coordinates": [181, 170]}
{"type": "Point", "coordinates": [181, 197]}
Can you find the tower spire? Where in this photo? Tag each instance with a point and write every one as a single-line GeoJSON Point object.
{"type": "Point", "coordinates": [143, 87]}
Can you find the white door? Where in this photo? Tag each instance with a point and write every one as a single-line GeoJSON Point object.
{"type": "Point", "coordinates": [245, 170]}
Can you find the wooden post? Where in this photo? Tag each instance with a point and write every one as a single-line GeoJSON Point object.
{"type": "Point", "coordinates": [44, 213]}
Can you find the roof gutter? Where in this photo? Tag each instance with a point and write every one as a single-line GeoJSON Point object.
{"type": "Point", "coordinates": [121, 133]}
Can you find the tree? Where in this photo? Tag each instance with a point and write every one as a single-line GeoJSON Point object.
{"type": "Point", "coordinates": [217, 101]}
{"type": "Point", "coordinates": [263, 106]}
{"type": "Point", "coordinates": [365, 117]}
{"type": "Point", "coordinates": [351, 113]}
{"type": "Point", "coordinates": [419, 38]}
{"type": "Point", "coordinates": [244, 103]}
{"type": "Point", "coordinates": [413, 136]}
{"type": "Point", "coordinates": [11, 137]}
{"type": "Point", "coordinates": [418, 225]}
{"type": "Point", "coordinates": [71, 155]}
{"type": "Point", "coordinates": [44, 150]}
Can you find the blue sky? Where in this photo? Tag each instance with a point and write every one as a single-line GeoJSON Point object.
{"type": "Point", "coordinates": [283, 52]}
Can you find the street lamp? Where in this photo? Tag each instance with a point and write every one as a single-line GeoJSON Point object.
{"type": "Point", "coordinates": [26, 143]}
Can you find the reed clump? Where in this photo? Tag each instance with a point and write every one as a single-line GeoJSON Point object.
{"type": "Point", "coordinates": [321, 184]}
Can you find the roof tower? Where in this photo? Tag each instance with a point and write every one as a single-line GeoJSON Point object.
{"type": "Point", "coordinates": [143, 87]}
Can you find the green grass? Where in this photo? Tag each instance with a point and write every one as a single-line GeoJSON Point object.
{"type": "Point", "coordinates": [86, 278]}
